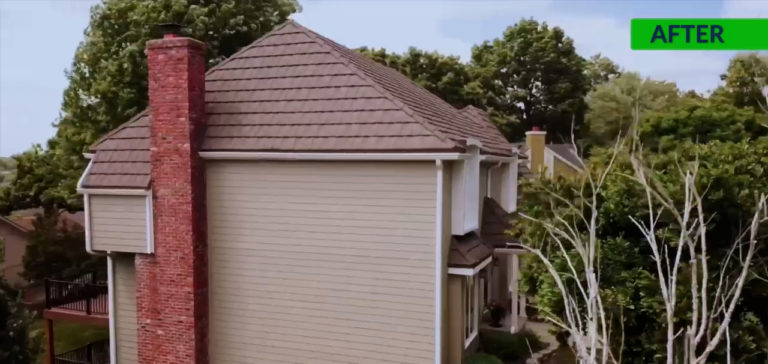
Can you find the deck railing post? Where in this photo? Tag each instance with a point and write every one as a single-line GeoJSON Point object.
{"type": "Point", "coordinates": [46, 283]}
{"type": "Point", "coordinates": [86, 289]}
{"type": "Point", "coordinates": [89, 353]}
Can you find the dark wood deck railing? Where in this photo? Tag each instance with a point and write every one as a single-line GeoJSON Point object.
{"type": "Point", "coordinates": [83, 294]}
{"type": "Point", "coordinates": [93, 353]}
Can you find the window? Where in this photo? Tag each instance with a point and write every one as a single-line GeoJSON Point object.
{"type": "Point", "coordinates": [471, 311]}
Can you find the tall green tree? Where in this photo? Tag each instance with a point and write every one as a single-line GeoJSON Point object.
{"type": "Point", "coordinates": [108, 76]}
{"type": "Point", "coordinates": [55, 250]}
{"type": "Point", "coordinates": [20, 343]}
{"type": "Point", "coordinates": [744, 79]}
{"type": "Point", "coordinates": [611, 105]}
{"type": "Point", "coordinates": [445, 76]}
{"type": "Point", "coordinates": [700, 121]}
{"type": "Point", "coordinates": [531, 76]}
{"type": "Point", "coordinates": [731, 173]}
{"type": "Point", "coordinates": [601, 69]}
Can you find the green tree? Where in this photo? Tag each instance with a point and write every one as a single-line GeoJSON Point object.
{"type": "Point", "coordinates": [56, 250]}
{"type": "Point", "coordinates": [108, 76]}
{"type": "Point", "coordinates": [444, 76]}
{"type": "Point", "coordinates": [601, 70]}
{"type": "Point", "coordinates": [19, 342]}
{"type": "Point", "coordinates": [744, 79]}
{"type": "Point", "coordinates": [700, 121]}
{"type": "Point", "coordinates": [611, 105]}
{"type": "Point", "coordinates": [731, 173]}
{"type": "Point", "coordinates": [531, 76]}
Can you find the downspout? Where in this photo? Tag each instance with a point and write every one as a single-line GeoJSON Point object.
{"type": "Point", "coordinates": [110, 263]}
{"type": "Point", "coordinates": [439, 264]}
{"type": "Point", "coordinates": [111, 303]}
{"type": "Point", "coordinates": [86, 207]}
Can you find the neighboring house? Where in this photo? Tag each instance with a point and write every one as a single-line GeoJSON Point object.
{"type": "Point", "coordinates": [554, 160]}
{"type": "Point", "coordinates": [299, 203]}
{"type": "Point", "coordinates": [14, 234]}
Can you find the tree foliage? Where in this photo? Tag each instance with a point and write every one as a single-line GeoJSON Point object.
{"type": "Point", "coordinates": [19, 342]}
{"type": "Point", "coordinates": [611, 104]}
{"type": "Point", "coordinates": [601, 70]}
{"type": "Point", "coordinates": [108, 78]}
{"type": "Point", "coordinates": [744, 79]}
{"type": "Point", "coordinates": [731, 173]}
{"type": "Point", "coordinates": [445, 76]}
{"type": "Point", "coordinates": [531, 76]}
{"type": "Point", "coordinates": [56, 250]}
{"type": "Point", "coordinates": [700, 121]}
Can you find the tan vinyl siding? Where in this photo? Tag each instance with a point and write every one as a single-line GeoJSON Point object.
{"type": "Point", "coordinates": [125, 309]}
{"type": "Point", "coordinates": [118, 223]}
{"type": "Point", "coordinates": [322, 262]}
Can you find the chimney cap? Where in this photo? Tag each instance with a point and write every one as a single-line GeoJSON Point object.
{"type": "Point", "coordinates": [170, 30]}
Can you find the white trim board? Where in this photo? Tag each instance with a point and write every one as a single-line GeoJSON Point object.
{"type": "Point", "coordinates": [111, 303]}
{"type": "Point", "coordinates": [439, 263]}
{"type": "Point", "coordinates": [333, 156]}
{"type": "Point", "coordinates": [558, 156]}
{"type": "Point", "coordinates": [470, 271]}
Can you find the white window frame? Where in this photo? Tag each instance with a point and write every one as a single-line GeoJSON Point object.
{"type": "Point", "coordinates": [471, 309]}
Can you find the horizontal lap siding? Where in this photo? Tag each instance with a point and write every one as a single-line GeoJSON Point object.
{"type": "Point", "coordinates": [125, 310]}
{"type": "Point", "coordinates": [118, 223]}
{"type": "Point", "coordinates": [321, 262]}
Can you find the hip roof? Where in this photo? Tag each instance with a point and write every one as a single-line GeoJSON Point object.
{"type": "Point", "coordinates": [294, 90]}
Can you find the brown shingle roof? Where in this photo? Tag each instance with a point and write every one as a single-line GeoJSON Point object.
{"type": "Point", "coordinates": [296, 91]}
{"type": "Point", "coordinates": [496, 222]}
{"type": "Point", "coordinates": [467, 251]}
{"type": "Point", "coordinates": [568, 153]}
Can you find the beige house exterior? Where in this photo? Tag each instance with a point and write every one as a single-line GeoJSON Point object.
{"type": "Point", "coordinates": [552, 160]}
{"type": "Point", "coordinates": [14, 237]}
{"type": "Point", "coordinates": [367, 229]}
{"type": "Point", "coordinates": [14, 240]}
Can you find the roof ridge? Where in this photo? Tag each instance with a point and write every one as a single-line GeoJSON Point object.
{"type": "Point", "coordinates": [249, 46]}
{"type": "Point", "coordinates": [120, 127]}
{"type": "Point", "coordinates": [324, 42]}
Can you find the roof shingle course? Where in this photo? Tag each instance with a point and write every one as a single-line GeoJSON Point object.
{"type": "Point", "coordinates": [294, 90]}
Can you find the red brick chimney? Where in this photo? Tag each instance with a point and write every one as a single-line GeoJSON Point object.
{"type": "Point", "coordinates": [172, 283]}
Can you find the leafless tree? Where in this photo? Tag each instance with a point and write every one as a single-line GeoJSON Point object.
{"type": "Point", "coordinates": [711, 310]}
{"type": "Point", "coordinates": [575, 230]}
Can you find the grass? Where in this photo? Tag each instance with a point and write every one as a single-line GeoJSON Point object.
{"type": "Point", "coordinates": [509, 348]}
{"type": "Point", "coordinates": [69, 336]}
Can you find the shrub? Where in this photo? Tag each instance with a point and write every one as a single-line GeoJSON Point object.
{"type": "Point", "coordinates": [480, 358]}
{"type": "Point", "coordinates": [509, 347]}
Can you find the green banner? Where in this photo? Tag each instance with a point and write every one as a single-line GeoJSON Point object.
{"type": "Point", "coordinates": [700, 34]}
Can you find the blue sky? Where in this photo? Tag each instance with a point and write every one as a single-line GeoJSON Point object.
{"type": "Point", "coordinates": [38, 39]}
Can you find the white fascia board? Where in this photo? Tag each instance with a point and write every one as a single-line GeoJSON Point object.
{"type": "Point", "coordinates": [470, 271]}
{"type": "Point", "coordinates": [333, 156]}
{"type": "Point", "coordinates": [113, 191]}
{"type": "Point", "coordinates": [555, 155]}
{"type": "Point", "coordinates": [497, 158]}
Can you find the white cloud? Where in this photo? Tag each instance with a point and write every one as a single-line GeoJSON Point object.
{"type": "Point", "coordinates": [745, 9]}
